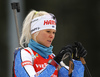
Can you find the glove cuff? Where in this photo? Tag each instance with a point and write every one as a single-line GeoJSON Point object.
{"type": "Point", "coordinates": [53, 62]}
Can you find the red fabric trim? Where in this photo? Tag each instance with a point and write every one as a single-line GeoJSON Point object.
{"type": "Point", "coordinates": [14, 70]}
{"type": "Point", "coordinates": [24, 63]}
{"type": "Point", "coordinates": [28, 51]}
{"type": "Point", "coordinates": [53, 63]}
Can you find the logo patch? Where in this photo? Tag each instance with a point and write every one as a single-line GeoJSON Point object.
{"type": "Point", "coordinates": [36, 55]}
{"type": "Point", "coordinates": [35, 29]}
{"type": "Point", "coordinates": [49, 22]}
{"type": "Point", "coordinates": [24, 63]}
{"type": "Point", "coordinates": [53, 26]}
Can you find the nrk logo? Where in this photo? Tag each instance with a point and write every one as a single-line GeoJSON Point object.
{"type": "Point", "coordinates": [49, 22]}
{"type": "Point", "coordinates": [41, 65]}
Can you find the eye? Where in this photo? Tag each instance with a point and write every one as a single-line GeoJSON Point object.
{"type": "Point", "coordinates": [48, 31]}
{"type": "Point", "coordinates": [54, 32]}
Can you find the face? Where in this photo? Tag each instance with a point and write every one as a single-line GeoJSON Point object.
{"type": "Point", "coordinates": [45, 37]}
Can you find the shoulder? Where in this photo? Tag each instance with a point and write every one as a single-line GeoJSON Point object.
{"type": "Point", "coordinates": [26, 54]}
{"type": "Point", "coordinates": [27, 50]}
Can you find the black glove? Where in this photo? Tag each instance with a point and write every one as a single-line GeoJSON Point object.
{"type": "Point", "coordinates": [64, 53]}
{"type": "Point", "coordinates": [79, 51]}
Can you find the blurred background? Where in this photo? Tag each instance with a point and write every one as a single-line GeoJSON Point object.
{"type": "Point", "coordinates": [78, 20]}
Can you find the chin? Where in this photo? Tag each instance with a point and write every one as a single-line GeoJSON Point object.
{"type": "Point", "coordinates": [47, 45]}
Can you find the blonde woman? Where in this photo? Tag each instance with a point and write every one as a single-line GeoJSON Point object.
{"type": "Point", "coordinates": [37, 59]}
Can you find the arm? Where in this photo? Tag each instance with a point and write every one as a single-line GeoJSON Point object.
{"type": "Point", "coordinates": [48, 71]}
{"type": "Point", "coordinates": [63, 71]}
{"type": "Point", "coordinates": [23, 65]}
{"type": "Point", "coordinates": [78, 69]}
{"type": "Point", "coordinates": [77, 72]}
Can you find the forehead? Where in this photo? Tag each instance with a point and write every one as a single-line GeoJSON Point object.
{"type": "Point", "coordinates": [49, 30]}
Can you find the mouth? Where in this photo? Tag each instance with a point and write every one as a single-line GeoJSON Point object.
{"type": "Point", "coordinates": [49, 41]}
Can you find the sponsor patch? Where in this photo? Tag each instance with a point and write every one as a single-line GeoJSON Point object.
{"type": "Point", "coordinates": [24, 63]}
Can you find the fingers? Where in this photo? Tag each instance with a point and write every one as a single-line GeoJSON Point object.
{"type": "Point", "coordinates": [66, 52]}
{"type": "Point", "coordinates": [84, 54]}
{"type": "Point", "coordinates": [78, 45]}
{"type": "Point", "coordinates": [66, 49]}
{"type": "Point", "coordinates": [68, 46]}
{"type": "Point", "coordinates": [81, 50]}
{"type": "Point", "coordinates": [74, 51]}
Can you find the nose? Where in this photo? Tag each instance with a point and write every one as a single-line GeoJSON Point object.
{"type": "Point", "coordinates": [51, 35]}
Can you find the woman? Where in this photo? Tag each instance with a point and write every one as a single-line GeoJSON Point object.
{"type": "Point", "coordinates": [38, 60]}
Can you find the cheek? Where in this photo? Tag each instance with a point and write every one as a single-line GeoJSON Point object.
{"type": "Point", "coordinates": [53, 36]}
{"type": "Point", "coordinates": [42, 37]}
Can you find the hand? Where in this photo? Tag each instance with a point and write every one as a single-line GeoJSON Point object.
{"type": "Point", "coordinates": [64, 53]}
{"type": "Point", "coordinates": [79, 51]}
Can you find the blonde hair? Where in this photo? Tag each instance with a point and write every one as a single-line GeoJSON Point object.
{"type": "Point", "coordinates": [26, 31]}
